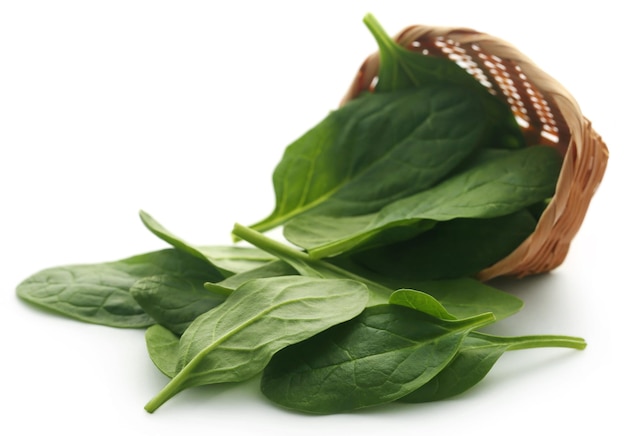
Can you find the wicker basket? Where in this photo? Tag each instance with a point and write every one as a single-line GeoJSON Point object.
{"type": "Point", "coordinates": [547, 114]}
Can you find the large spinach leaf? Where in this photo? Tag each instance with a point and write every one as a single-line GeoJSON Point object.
{"type": "Point", "coordinates": [490, 189]}
{"type": "Point", "coordinates": [234, 341]}
{"type": "Point", "coordinates": [100, 293]}
{"type": "Point", "coordinates": [376, 149]}
{"type": "Point", "coordinates": [378, 357]}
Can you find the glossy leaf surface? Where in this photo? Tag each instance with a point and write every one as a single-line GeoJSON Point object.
{"type": "Point", "coordinates": [174, 302]}
{"type": "Point", "coordinates": [100, 293]}
{"type": "Point", "coordinates": [376, 149]}
{"type": "Point", "coordinates": [162, 345]}
{"type": "Point", "coordinates": [225, 260]}
{"type": "Point", "coordinates": [378, 357]}
{"type": "Point", "coordinates": [477, 355]}
{"type": "Point", "coordinates": [234, 341]}
{"type": "Point", "coordinates": [495, 188]}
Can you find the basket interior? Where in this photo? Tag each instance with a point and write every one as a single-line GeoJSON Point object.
{"type": "Point", "coordinates": [538, 117]}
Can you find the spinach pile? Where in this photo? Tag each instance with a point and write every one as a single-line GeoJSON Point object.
{"type": "Point", "coordinates": [390, 206]}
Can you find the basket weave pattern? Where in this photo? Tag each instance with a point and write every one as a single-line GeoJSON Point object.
{"type": "Point", "coordinates": [546, 113]}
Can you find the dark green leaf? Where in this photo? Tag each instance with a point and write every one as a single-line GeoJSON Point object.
{"type": "Point", "coordinates": [224, 260]}
{"type": "Point", "coordinates": [477, 355]}
{"type": "Point", "coordinates": [402, 68]}
{"type": "Point", "coordinates": [234, 341]}
{"type": "Point", "coordinates": [451, 249]}
{"type": "Point", "coordinates": [378, 357]}
{"type": "Point", "coordinates": [377, 149]}
{"type": "Point", "coordinates": [174, 302]}
{"type": "Point", "coordinates": [495, 188]}
{"type": "Point", "coordinates": [100, 293]}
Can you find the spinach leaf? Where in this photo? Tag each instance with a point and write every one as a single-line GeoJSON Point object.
{"type": "Point", "coordinates": [421, 301]}
{"type": "Point", "coordinates": [275, 268]}
{"type": "Point", "coordinates": [100, 293]}
{"type": "Point", "coordinates": [495, 188]}
{"type": "Point", "coordinates": [377, 357]}
{"type": "Point", "coordinates": [162, 347]}
{"type": "Point", "coordinates": [376, 149]}
{"type": "Point", "coordinates": [174, 302]}
{"type": "Point", "coordinates": [451, 249]}
{"type": "Point", "coordinates": [401, 68]}
{"type": "Point", "coordinates": [477, 355]}
{"type": "Point", "coordinates": [234, 341]}
{"type": "Point", "coordinates": [225, 260]}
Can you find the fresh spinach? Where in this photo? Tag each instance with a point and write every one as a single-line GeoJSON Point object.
{"type": "Point", "coordinates": [451, 249]}
{"type": "Point", "coordinates": [100, 293]}
{"type": "Point", "coordinates": [491, 189]}
{"type": "Point", "coordinates": [162, 346]}
{"type": "Point", "coordinates": [378, 357]}
{"type": "Point", "coordinates": [377, 149]}
{"type": "Point", "coordinates": [393, 202]}
{"type": "Point", "coordinates": [172, 301]}
{"type": "Point", "coordinates": [234, 341]}
{"type": "Point", "coordinates": [225, 260]}
{"type": "Point", "coordinates": [477, 355]}
{"type": "Point", "coordinates": [401, 68]}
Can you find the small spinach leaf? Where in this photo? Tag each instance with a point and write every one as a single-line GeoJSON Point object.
{"type": "Point", "coordinates": [420, 301]}
{"type": "Point", "coordinates": [174, 302]}
{"type": "Point", "coordinates": [477, 355]}
{"type": "Point", "coordinates": [234, 341]}
{"type": "Point", "coordinates": [162, 347]}
{"type": "Point", "coordinates": [275, 268]}
{"type": "Point", "coordinates": [377, 357]}
{"type": "Point", "coordinates": [100, 293]}
{"type": "Point", "coordinates": [224, 260]}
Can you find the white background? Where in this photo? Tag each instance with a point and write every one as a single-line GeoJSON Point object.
{"type": "Point", "coordinates": [182, 108]}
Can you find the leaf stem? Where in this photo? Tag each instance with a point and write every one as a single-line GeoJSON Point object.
{"type": "Point", "coordinates": [307, 266]}
{"type": "Point", "coordinates": [536, 341]}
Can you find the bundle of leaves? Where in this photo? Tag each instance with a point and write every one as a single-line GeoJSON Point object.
{"type": "Point", "coordinates": [392, 204]}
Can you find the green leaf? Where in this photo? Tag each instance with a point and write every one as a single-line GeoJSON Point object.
{"type": "Point", "coordinates": [275, 268]}
{"type": "Point", "coordinates": [402, 68]}
{"type": "Point", "coordinates": [174, 302]}
{"type": "Point", "coordinates": [100, 293]}
{"type": "Point", "coordinates": [376, 149]}
{"type": "Point", "coordinates": [225, 260]}
{"type": "Point", "coordinates": [162, 347]}
{"type": "Point", "coordinates": [421, 301]}
{"type": "Point", "coordinates": [477, 355]}
{"type": "Point", "coordinates": [495, 188]}
{"type": "Point", "coordinates": [378, 357]}
{"type": "Point", "coordinates": [234, 341]}
{"type": "Point", "coordinates": [451, 249]}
